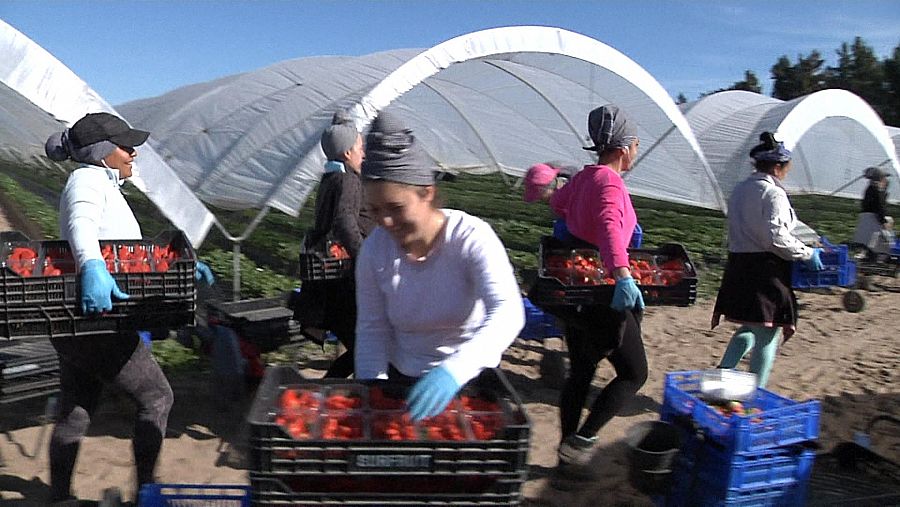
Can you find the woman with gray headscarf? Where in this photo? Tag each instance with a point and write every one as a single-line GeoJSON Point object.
{"type": "Point", "coordinates": [597, 210]}
{"type": "Point", "coordinates": [340, 218]}
{"type": "Point", "coordinates": [438, 299]}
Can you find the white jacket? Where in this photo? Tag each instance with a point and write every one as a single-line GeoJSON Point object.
{"type": "Point", "coordinates": [761, 219]}
{"type": "Point", "coordinates": [92, 208]}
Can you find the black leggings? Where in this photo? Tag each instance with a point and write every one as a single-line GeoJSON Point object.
{"type": "Point", "coordinates": [86, 364]}
{"type": "Point", "coordinates": [595, 334]}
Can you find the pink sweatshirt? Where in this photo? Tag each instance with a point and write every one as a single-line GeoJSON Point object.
{"type": "Point", "coordinates": [597, 208]}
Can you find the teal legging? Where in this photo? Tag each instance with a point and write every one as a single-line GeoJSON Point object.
{"type": "Point", "coordinates": [763, 341]}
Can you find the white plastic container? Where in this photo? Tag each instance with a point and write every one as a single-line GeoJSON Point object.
{"type": "Point", "coordinates": [727, 385]}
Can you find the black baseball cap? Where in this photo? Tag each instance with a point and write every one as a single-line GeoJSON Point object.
{"type": "Point", "coordinates": [96, 127]}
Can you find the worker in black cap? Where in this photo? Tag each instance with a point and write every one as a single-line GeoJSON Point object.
{"type": "Point", "coordinates": [92, 208]}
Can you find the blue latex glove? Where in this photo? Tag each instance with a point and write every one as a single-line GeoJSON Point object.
{"type": "Point", "coordinates": [627, 295]}
{"type": "Point", "coordinates": [202, 272]}
{"type": "Point", "coordinates": [96, 287]}
{"type": "Point", "coordinates": [814, 263]}
{"type": "Point", "coordinates": [431, 394]}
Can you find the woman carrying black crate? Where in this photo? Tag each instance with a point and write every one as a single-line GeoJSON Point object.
{"type": "Point", "coordinates": [597, 210]}
{"type": "Point", "coordinates": [438, 298]}
{"type": "Point", "coordinates": [92, 208]}
{"type": "Point", "coordinates": [756, 286]}
{"type": "Point", "coordinates": [340, 218]}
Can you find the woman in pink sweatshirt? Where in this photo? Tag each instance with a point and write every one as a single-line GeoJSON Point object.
{"type": "Point", "coordinates": [597, 209]}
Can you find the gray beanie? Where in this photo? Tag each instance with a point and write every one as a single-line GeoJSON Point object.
{"type": "Point", "coordinates": [394, 154]}
{"type": "Point", "coordinates": [609, 127]}
{"type": "Point", "coordinates": [339, 137]}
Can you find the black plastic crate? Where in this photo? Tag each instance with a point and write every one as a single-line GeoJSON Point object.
{"type": "Point", "coordinates": [549, 291]}
{"type": "Point", "coordinates": [264, 322]}
{"type": "Point", "coordinates": [366, 470]}
{"type": "Point", "coordinates": [46, 303]}
{"type": "Point", "coordinates": [64, 321]}
{"type": "Point", "coordinates": [316, 265]}
{"type": "Point", "coordinates": [28, 370]}
{"type": "Point", "coordinates": [175, 284]}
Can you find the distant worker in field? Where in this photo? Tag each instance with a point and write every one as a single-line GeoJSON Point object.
{"type": "Point", "coordinates": [756, 286]}
{"type": "Point", "coordinates": [438, 298]}
{"type": "Point", "coordinates": [341, 219]}
{"type": "Point", "coordinates": [92, 208]}
{"type": "Point", "coordinates": [541, 182]}
{"type": "Point", "coordinates": [874, 228]}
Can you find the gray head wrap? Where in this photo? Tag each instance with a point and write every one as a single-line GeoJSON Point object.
{"type": "Point", "coordinates": [60, 147]}
{"type": "Point", "coordinates": [339, 137]}
{"type": "Point", "coordinates": [394, 154]}
{"type": "Point", "coordinates": [609, 127]}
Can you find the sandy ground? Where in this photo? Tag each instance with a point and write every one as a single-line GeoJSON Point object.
{"type": "Point", "coordinates": [4, 223]}
{"type": "Point", "coordinates": [848, 361]}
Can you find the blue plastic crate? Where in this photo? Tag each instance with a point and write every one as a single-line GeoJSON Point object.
{"type": "Point", "coordinates": [710, 479]}
{"type": "Point", "coordinates": [194, 495]}
{"type": "Point", "coordinates": [782, 421]}
{"type": "Point", "coordinates": [831, 276]}
{"type": "Point", "coordinates": [770, 467]}
{"type": "Point", "coordinates": [538, 324]}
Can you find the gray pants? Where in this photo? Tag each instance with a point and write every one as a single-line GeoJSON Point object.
{"type": "Point", "coordinates": [86, 364]}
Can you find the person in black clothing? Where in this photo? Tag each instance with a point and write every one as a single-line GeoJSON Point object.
{"type": "Point", "coordinates": [873, 217]}
{"type": "Point", "coordinates": [341, 218]}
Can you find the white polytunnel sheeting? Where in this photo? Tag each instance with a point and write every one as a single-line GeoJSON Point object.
{"type": "Point", "coordinates": [29, 74]}
{"type": "Point", "coordinates": [834, 136]}
{"type": "Point", "coordinates": [496, 100]}
{"type": "Point", "coordinates": [23, 126]}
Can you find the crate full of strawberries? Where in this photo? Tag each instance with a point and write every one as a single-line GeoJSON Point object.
{"type": "Point", "coordinates": [40, 286]}
{"type": "Point", "coordinates": [361, 436]}
{"type": "Point", "coordinates": [572, 273]}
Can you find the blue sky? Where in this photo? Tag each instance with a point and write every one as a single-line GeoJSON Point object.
{"type": "Point", "coordinates": [127, 50]}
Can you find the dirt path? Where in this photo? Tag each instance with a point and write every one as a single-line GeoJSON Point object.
{"type": "Point", "coordinates": [4, 223]}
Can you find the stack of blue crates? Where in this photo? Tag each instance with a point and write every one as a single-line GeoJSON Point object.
{"type": "Point", "coordinates": [194, 495]}
{"type": "Point", "coordinates": [538, 325]}
{"type": "Point", "coordinates": [839, 270]}
{"type": "Point", "coordinates": [754, 460]}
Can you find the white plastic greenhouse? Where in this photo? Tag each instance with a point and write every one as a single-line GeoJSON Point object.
{"type": "Point", "coordinates": [495, 100]}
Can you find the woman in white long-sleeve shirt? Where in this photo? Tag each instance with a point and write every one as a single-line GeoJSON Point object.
{"type": "Point", "coordinates": [756, 287]}
{"type": "Point", "coordinates": [437, 297]}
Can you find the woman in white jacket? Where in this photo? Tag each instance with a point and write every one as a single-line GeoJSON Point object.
{"type": "Point", "coordinates": [756, 287]}
{"type": "Point", "coordinates": [92, 208]}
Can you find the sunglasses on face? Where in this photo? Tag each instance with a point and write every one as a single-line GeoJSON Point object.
{"type": "Point", "coordinates": [128, 149]}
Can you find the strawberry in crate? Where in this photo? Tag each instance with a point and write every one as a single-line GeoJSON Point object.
{"type": "Point", "coordinates": [58, 261]}
{"type": "Point", "coordinates": [21, 260]}
{"type": "Point", "coordinates": [444, 426]}
{"type": "Point", "coordinates": [393, 425]}
{"type": "Point", "coordinates": [164, 256]}
{"type": "Point", "coordinates": [133, 259]}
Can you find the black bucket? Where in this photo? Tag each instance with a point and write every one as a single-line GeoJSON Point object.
{"type": "Point", "coordinates": [653, 447]}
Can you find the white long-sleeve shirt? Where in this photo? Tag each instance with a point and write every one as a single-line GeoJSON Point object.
{"type": "Point", "coordinates": [761, 219]}
{"type": "Point", "coordinates": [460, 307]}
{"type": "Point", "coordinates": [92, 208]}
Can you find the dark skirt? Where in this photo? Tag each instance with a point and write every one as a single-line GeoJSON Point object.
{"type": "Point", "coordinates": [756, 290]}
